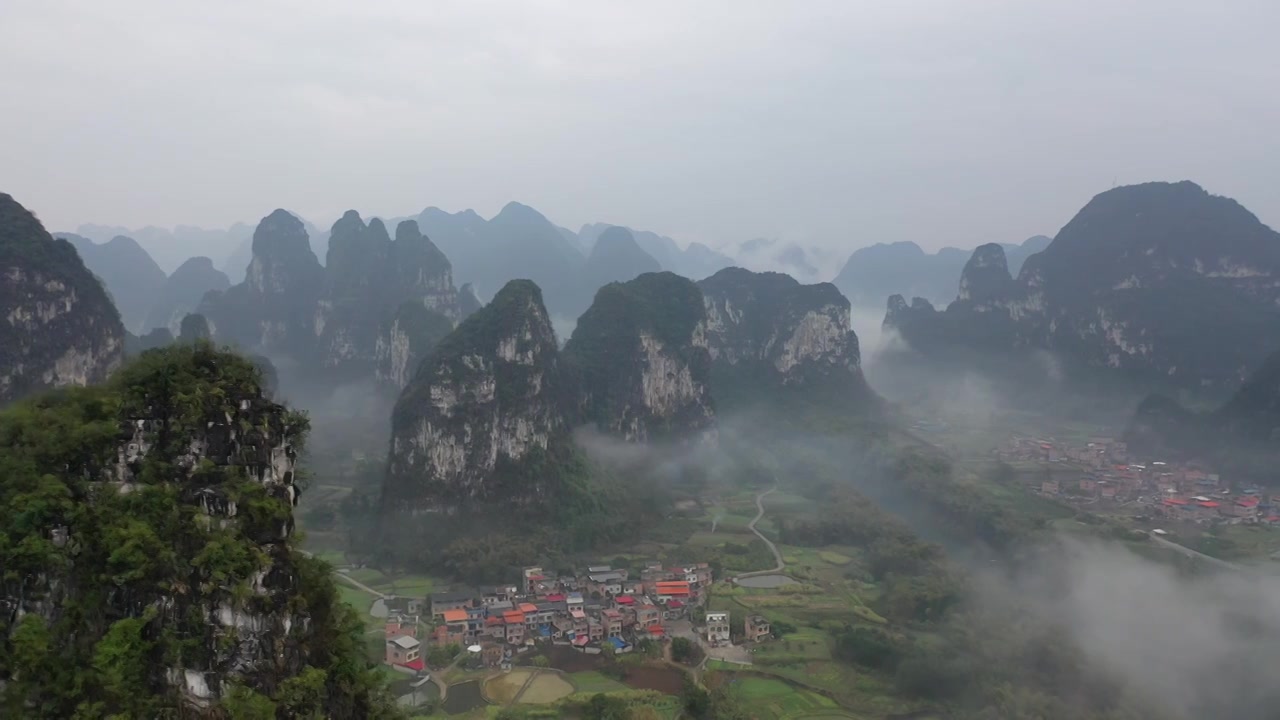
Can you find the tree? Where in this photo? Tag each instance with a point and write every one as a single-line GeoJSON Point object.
{"type": "Point", "coordinates": [605, 707]}
{"type": "Point", "coordinates": [697, 701]}
{"type": "Point", "coordinates": [682, 649]}
{"type": "Point", "coordinates": [241, 703]}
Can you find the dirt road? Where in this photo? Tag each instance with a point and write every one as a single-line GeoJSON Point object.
{"type": "Point", "coordinates": [777, 556]}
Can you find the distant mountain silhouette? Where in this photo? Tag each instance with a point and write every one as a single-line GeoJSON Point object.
{"type": "Point", "coordinates": [518, 242]}
{"type": "Point", "coordinates": [182, 292]}
{"type": "Point", "coordinates": [130, 275]}
{"type": "Point", "coordinates": [617, 257]}
{"type": "Point", "coordinates": [695, 261]}
{"type": "Point", "coordinates": [875, 272]}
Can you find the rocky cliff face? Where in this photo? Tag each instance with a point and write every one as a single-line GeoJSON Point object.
{"type": "Point", "coordinates": [770, 328]}
{"type": "Point", "coordinates": [182, 292]}
{"type": "Point", "coordinates": [640, 353]}
{"type": "Point", "coordinates": [1138, 281]}
{"type": "Point", "coordinates": [405, 341]}
{"type": "Point", "coordinates": [59, 327]}
{"type": "Point", "coordinates": [158, 565]}
{"type": "Point", "coordinates": [483, 412]}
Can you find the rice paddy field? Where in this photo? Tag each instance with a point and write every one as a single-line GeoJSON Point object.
{"type": "Point", "coordinates": [774, 699]}
{"type": "Point", "coordinates": [545, 688]}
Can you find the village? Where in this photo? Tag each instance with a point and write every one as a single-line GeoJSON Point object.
{"type": "Point", "coordinates": [601, 610]}
{"type": "Point", "coordinates": [1101, 475]}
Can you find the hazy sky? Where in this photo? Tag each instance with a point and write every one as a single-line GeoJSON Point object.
{"type": "Point", "coordinates": [830, 123]}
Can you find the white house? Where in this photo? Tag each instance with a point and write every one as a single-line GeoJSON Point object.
{"type": "Point", "coordinates": [718, 627]}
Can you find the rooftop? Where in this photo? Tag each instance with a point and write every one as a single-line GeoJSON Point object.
{"type": "Point", "coordinates": [406, 642]}
{"type": "Point", "coordinates": [455, 616]}
{"type": "Point", "coordinates": [453, 596]}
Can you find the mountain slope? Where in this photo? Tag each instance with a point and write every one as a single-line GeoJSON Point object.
{"type": "Point", "coordinates": [60, 326]}
{"type": "Point", "coordinates": [132, 278]}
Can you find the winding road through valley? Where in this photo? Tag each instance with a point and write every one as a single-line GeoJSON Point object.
{"type": "Point", "coordinates": [772, 548]}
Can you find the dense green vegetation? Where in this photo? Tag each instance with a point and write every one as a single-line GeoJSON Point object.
{"type": "Point", "coordinates": [122, 560]}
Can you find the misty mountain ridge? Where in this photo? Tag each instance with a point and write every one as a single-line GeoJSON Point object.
{"type": "Point", "coordinates": [1138, 282]}
{"type": "Point", "coordinates": [695, 261]}
{"type": "Point", "coordinates": [182, 292]}
{"type": "Point", "coordinates": [344, 320]}
{"type": "Point", "coordinates": [875, 272]}
{"type": "Point", "coordinates": [811, 264]}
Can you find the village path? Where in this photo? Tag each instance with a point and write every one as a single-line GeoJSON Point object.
{"type": "Point", "coordinates": [362, 586]}
{"type": "Point", "coordinates": [772, 548]}
{"type": "Point", "coordinates": [1184, 550]}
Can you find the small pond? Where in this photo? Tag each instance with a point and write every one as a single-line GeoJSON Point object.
{"type": "Point", "coordinates": [765, 581]}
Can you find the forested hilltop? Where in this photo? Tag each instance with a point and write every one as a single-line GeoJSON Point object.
{"type": "Point", "coordinates": [149, 568]}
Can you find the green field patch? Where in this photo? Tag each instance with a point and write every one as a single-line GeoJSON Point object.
{"type": "Point", "coordinates": [355, 597]}
{"type": "Point", "coordinates": [834, 558]}
{"type": "Point", "coordinates": [418, 586]}
{"type": "Point", "coordinates": [593, 682]}
{"type": "Point", "coordinates": [369, 576]}
{"type": "Point", "coordinates": [757, 688]}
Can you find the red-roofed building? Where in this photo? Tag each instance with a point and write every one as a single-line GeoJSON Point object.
{"type": "Point", "coordinates": [555, 597]}
{"type": "Point", "coordinates": [1244, 508]}
{"type": "Point", "coordinates": [656, 631]}
{"type": "Point", "coordinates": [612, 623]}
{"type": "Point", "coordinates": [675, 609]}
{"type": "Point", "coordinates": [625, 600]}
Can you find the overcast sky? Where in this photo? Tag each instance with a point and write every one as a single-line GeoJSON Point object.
{"type": "Point", "coordinates": [836, 124]}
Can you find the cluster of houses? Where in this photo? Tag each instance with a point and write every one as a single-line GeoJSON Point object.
{"type": "Point", "coordinates": [601, 606]}
{"type": "Point", "coordinates": [1178, 491]}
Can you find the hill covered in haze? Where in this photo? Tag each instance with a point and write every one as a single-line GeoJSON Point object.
{"type": "Point", "coordinates": [875, 272]}
{"type": "Point", "coordinates": [1139, 282]}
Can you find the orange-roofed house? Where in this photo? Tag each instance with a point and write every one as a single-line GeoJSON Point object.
{"type": "Point", "coordinates": [672, 589]}
{"type": "Point", "coordinates": [455, 625]}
